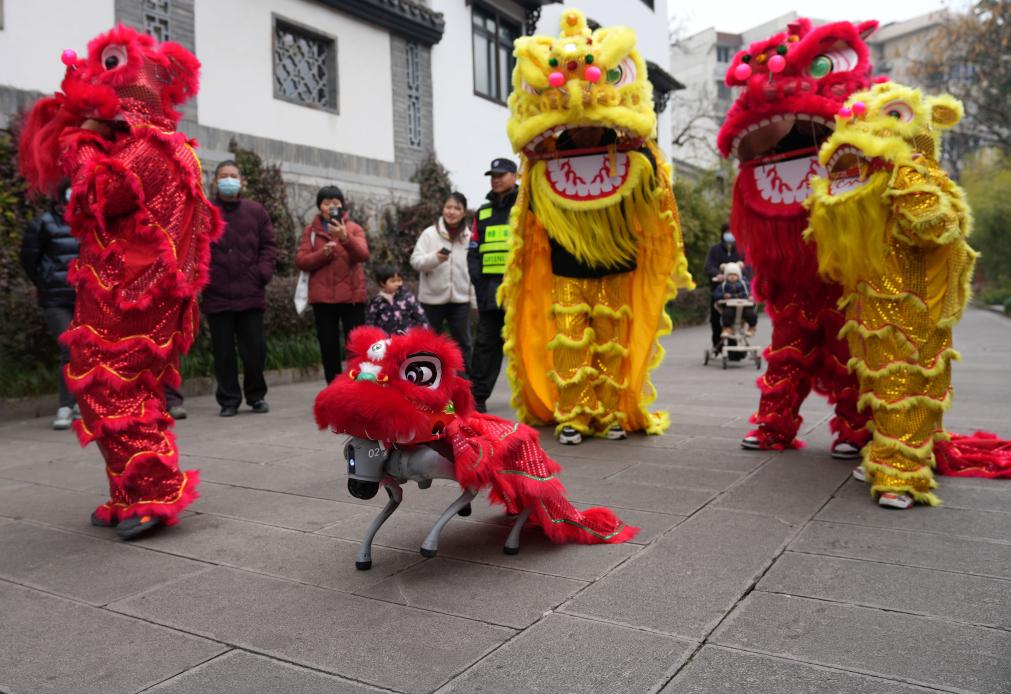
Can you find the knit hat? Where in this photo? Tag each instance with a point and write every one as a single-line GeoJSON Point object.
{"type": "Point", "coordinates": [732, 269]}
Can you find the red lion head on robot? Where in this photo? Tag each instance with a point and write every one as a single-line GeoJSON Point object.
{"type": "Point", "coordinates": [126, 80]}
{"type": "Point", "coordinates": [402, 389]}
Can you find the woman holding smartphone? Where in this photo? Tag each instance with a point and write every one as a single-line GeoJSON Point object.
{"type": "Point", "coordinates": [333, 251]}
{"type": "Point", "coordinates": [440, 257]}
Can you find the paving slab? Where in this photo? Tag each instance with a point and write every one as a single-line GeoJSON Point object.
{"type": "Point", "coordinates": [715, 670]}
{"type": "Point", "coordinates": [956, 596]}
{"type": "Point", "coordinates": [488, 593]}
{"type": "Point", "coordinates": [61, 508]}
{"type": "Point", "coordinates": [274, 508]}
{"type": "Point", "coordinates": [960, 522]}
{"type": "Point", "coordinates": [72, 473]}
{"type": "Point", "coordinates": [305, 557]}
{"type": "Point", "coordinates": [482, 542]}
{"type": "Point", "coordinates": [299, 480]}
{"type": "Point", "coordinates": [89, 570]}
{"type": "Point", "coordinates": [909, 648]}
{"type": "Point", "coordinates": [682, 501]}
{"type": "Point", "coordinates": [322, 629]}
{"type": "Point", "coordinates": [684, 583]}
{"type": "Point", "coordinates": [677, 476]}
{"type": "Point", "coordinates": [239, 672]}
{"type": "Point", "coordinates": [588, 656]}
{"type": "Point", "coordinates": [926, 550]}
{"type": "Point", "coordinates": [791, 487]}
{"type": "Point", "coordinates": [50, 644]}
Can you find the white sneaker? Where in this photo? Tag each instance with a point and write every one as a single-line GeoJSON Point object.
{"type": "Point", "coordinates": [893, 500]}
{"type": "Point", "coordinates": [751, 443]}
{"type": "Point", "coordinates": [858, 474]}
{"type": "Point", "coordinates": [64, 416]}
{"type": "Point", "coordinates": [569, 436]}
{"type": "Point", "coordinates": [616, 433]}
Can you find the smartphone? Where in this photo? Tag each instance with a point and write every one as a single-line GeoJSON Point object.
{"type": "Point", "coordinates": [445, 251]}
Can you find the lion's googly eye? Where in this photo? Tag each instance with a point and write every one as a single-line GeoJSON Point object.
{"type": "Point", "coordinates": [377, 351]}
{"type": "Point", "coordinates": [422, 369]}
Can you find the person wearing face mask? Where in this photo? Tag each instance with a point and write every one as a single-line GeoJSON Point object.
{"type": "Point", "coordinates": [47, 247]}
{"type": "Point", "coordinates": [719, 255]}
{"type": "Point", "coordinates": [440, 257]}
{"type": "Point", "coordinates": [242, 263]}
{"type": "Point", "coordinates": [333, 251]}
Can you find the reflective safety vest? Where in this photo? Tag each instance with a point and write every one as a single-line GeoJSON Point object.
{"type": "Point", "coordinates": [493, 236]}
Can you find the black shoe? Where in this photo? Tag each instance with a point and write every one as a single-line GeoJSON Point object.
{"type": "Point", "coordinates": [178, 412]}
{"type": "Point", "coordinates": [228, 411]}
{"type": "Point", "coordinates": [480, 406]}
{"type": "Point", "coordinates": [261, 407]}
{"type": "Point", "coordinates": [135, 526]}
{"type": "Point", "coordinates": [100, 522]}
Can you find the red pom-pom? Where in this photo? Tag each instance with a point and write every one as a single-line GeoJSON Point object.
{"type": "Point", "coordinates": [742, 72]}
{"type": "Point", "coordinates": [777, 64]}
{"type": "Point", "coordinates": [69, 56]}
{"type": "Point", "coordinates": [556, 79]}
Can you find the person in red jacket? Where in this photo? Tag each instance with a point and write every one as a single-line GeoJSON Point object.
{"type": "Point", "coordinates": [333, 251]}
{"type": "Point", "coordinates": [242, 263]}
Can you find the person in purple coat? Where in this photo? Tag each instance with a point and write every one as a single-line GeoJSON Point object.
{"type": "Point", "coordinates": [242, 263]}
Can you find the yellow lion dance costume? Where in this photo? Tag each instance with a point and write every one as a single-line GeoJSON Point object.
{"type": "Point", "coordinates": [890, 228]}
{"type": "Point", "coordinates": [596, 249]}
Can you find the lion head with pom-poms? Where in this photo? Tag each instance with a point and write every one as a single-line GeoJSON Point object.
{"type": "Point", "coordinates": [126, 80]}
{"type": "Point", "coordinates": [402, 389]}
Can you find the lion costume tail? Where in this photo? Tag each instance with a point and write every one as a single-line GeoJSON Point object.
{"type": "Point", "coordinates": [980, 455]}
{"type": "Point", "coordinates": [506, 458]}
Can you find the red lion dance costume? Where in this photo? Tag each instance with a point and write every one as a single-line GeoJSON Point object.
{"type": "Point", "coordinates": [794, 84]}
{"type": "Point", "coordinates": [404, 391]}
{"type": "Point", "coordinates": [138, 209]}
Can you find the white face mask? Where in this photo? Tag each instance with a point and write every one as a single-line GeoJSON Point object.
{"type": "Point", "coordinates": [229, 187]}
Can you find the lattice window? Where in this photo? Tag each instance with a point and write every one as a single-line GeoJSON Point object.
{"type": "Point", "coordinates": [414, 134]}
{"type": "Point", "coordinates": [305, 66]}
{"type": "Point", "coordinates": [156, 19]}
{"type": "Point", "coordinates": [493, 35]}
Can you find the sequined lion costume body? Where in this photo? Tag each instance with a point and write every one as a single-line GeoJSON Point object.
{"type": "Point", "coordinates": [596, 248]}
{"type": "Point", "coordinates": [793, 84]}
{"type": "Point", "coordinates": [890, 227]}
{"type": "Point", "coordinates": [138, 209]}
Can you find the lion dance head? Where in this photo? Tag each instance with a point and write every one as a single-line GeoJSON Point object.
{"type": "Point", "coordinates": [126, 80]}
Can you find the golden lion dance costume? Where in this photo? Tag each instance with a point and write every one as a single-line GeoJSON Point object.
{"type": "Point", "coordinates": [890, 227]}
{"type": "Point", "coordinates": [596, 240]}
{"type": "Point", "coordinates": [138, 208]}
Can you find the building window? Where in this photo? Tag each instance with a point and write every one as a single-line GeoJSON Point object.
{"type": "Point", "coordinates": [156, 19]}
{"type": "Point", "coordinates": [493, 53]}
{"type": "Point", "coordinates": [723, 92]}
{"type": "Point", "coordinates": [723, 54]}
{"type": "Point", "coordinates": [305, 66]}
{"type": "Point", "coordinates": [414, 138]}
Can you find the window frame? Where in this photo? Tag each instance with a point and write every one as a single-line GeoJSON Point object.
{"type": "Point", "coordinates": [498, 15]}
{"type": "Point", "coordinates": [150, 12]}
{"type": "Point", "coordinates": [333, 78]}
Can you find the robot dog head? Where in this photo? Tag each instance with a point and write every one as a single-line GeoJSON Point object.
{"type": "Point", "coordinates": [401, 389]}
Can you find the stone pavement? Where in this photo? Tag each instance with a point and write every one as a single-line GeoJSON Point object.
{"type": "Point", "coordinates": [754, 572]}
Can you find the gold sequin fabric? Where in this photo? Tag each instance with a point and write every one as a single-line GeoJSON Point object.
{"type": "Point", "coordinates": [592, 317]}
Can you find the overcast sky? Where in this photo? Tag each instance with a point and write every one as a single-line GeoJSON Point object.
{"type": "Point", "coordinates": [737, 15]}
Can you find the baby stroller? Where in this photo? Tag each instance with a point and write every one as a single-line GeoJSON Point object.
{"type": "Point", "coordinates": [736, 346]}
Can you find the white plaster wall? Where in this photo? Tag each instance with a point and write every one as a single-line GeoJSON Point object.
{"type": "Point", "coordinates": [233, 41]}
{"type": "Point", "coordinates": [35, 33]}
{"type": "Point", "coordinates": [470, 130]}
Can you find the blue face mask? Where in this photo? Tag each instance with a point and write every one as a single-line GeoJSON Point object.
{"type": "Point", "coordinates": [229, 187]}
{"type": "Point", "coordinates": [728, 237]}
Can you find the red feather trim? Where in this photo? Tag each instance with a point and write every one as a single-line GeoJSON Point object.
{"type": "Point", "coordinates": [982, 454]}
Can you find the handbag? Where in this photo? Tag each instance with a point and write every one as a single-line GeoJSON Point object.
{"type": "Point", "coordinates": [302, 286]}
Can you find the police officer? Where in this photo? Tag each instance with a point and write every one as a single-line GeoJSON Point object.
{"type": "Point", "coordinates": [486, 261]}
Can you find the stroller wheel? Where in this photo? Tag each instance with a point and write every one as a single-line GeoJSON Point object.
{"type": "Point", "coordinates": [758, 362]}
{"type": "Point", "coordinates": [705, 358]}
{"type": "Point", "coordinates": [725, 362]}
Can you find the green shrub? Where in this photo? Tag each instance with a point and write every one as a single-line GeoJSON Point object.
{"type": "Point", "coordinates": [690, 307]}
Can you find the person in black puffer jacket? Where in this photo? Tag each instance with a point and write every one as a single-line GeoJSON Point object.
{"type": "Point", "coordinates": [47, 248]}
